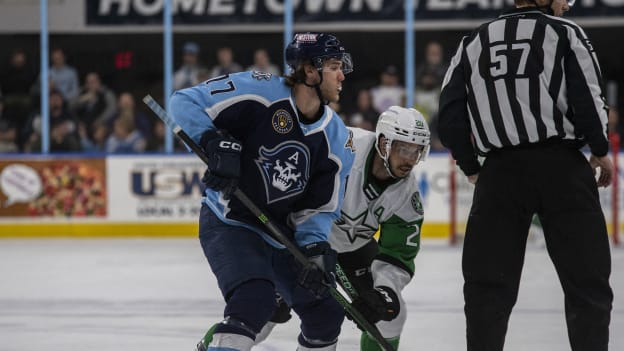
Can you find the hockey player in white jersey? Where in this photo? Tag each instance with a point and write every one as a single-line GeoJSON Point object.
{"type": "Point", "coordinates": [382, 194]}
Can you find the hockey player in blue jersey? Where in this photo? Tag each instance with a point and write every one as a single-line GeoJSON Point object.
{"type": "Point", "coordinates": [276, 139]}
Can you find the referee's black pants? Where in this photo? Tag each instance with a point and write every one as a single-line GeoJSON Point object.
{"type": "Point", "coordinates": [557, 183]}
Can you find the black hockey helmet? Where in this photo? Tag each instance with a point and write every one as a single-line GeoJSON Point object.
{"type": "Point", "coordinates": [317, 47]}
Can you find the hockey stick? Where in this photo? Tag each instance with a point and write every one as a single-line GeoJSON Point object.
{"type": "Point", "coordinates": [273, 229]}
{"type": "Point", "coordinates": [345, 283]}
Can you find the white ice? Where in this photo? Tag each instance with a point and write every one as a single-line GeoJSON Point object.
{"type": "Point", "coordinates": [159, 294]}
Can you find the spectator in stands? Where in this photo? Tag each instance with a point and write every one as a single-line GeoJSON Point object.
{"type": "Point", "coordinates": [126, 105]}
{"type": "Point", "coordinates": [429, 77]}
{"type": "Point", "coordinates": [365, 116]}
{"type": "Point", "coordinates": [64, 135]}
{"type": "Point", "coordinates": [262, 63]}
{"type": "Point", "coordinates": [96, 102]}
{"type": "Point", "coordinates": [430, 73]}
{"type": "Point", "coordinates": [17, 79]}
{"type": "Point", "coordinates": [100, 135]}
{"type": "Point", "coordinates": [187, 74]}
{"type": "Point", "coordinates": [125, 137]}
{"type": "Point", "coordinates": [63, 76]}
{"type": "Point", "coordinates": [203, 75]}
{"type": "Point", "coordinates": [389, 92]}
{"type": "Point", "coordinates": [18, 76]}
{"type": "Point", "coordinates": [226, 63]}
{"type": "Point", "coordinates": [8, 134]}
{"type": "Point", "coordinates": [156, 141]}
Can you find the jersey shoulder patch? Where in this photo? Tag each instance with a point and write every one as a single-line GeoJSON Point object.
{"type": "Point", "coordinates": [349, 144]}
{"type": "Point", "coordinates": [416, 203]}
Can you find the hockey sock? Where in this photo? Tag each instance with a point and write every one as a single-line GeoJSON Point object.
{"type": "Point", "coordinates": [264, 333]}
{"type": "Point", "coordinates": [203, 343]}
{"type": "Point", "coordinates": [306, 344]}
{"type": "Point", "coordinates": [331, 347]}
{"type": "Point", "coordinates": [230, 342]}
{"type": "Point", "coordinates": [367, 343]}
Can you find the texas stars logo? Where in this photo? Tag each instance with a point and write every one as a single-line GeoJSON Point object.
{"type": "Point", "coordinates": [416, 204]}
{"type": "Point", "coordinates": [356, 227]}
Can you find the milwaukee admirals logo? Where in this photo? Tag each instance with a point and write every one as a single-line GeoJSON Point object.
{"type": "Point", "coordinates": [285, 169]}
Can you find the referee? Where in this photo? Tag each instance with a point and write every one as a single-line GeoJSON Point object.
{"type": "Point", "coordinates": [524, 91]}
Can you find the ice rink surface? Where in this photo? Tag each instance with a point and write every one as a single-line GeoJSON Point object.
{"type": "Point", "coordinates": [159, 294]}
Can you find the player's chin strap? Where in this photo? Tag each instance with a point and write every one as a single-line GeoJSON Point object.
{"type": "Point", "coordinates": [385, 158]}
{"type": "Point", "coordinates": [317, 87]}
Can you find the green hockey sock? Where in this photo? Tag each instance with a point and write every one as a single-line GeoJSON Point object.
{"type": "Point", "coordinates": [367, 343]}
{"type": "Point", "coordinates": [208, 337]}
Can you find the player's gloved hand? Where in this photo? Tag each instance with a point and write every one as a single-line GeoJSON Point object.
{"type": "Point", "coordinates": [320, 275]}
{"type": "Point", "coordinates": [380, 303]}
{"type": "Point", "coordinates": [224, 154]}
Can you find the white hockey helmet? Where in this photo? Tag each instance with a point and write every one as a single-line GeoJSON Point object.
{"type": "Point", "coordinates": [403, 124]}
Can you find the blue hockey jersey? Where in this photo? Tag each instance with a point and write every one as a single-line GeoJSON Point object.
{"type": "Point", "coordinates": [295, 172]}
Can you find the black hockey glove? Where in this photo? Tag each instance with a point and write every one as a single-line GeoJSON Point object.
{"type": "Point", "coordinates": [320, 275]}
{"type": "Point", "coordinates": [224, 154]}
{"type": "Point", "coordinates": [380, 303]}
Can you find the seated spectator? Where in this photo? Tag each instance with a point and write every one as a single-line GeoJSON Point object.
{"type": "Point", "coordinates": [388, 92]}
{"type": "Point", "coordinates": [126, 105]}
{"type": "Point", "coordinates": [156, 141]}
{"type": "Point", "coordinates": [64, 135]}
{"type": "Point", "coordinates": [100, 136]}
{"type": "Point", "coordinates": [365, 116]}
{"type": "Point", "coordinates": [226, 63]}
{"type": "Point", "coordinates": [8, 134]}
{"type": "Point", "coordinates": [125, 137]}
{"type": "Point", "coordinates": [95, 103]}
{"type": "Point", "coordinates": [262, 63]}
{"type": "Point", "coordinates": [187, 75]}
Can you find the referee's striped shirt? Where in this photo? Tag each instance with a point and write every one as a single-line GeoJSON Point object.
{"type": "Point", "coordinates": [523, 78]}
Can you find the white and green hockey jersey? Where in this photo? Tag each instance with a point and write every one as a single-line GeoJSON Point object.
{"type": "Point", "coordinates": [395, 210]}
